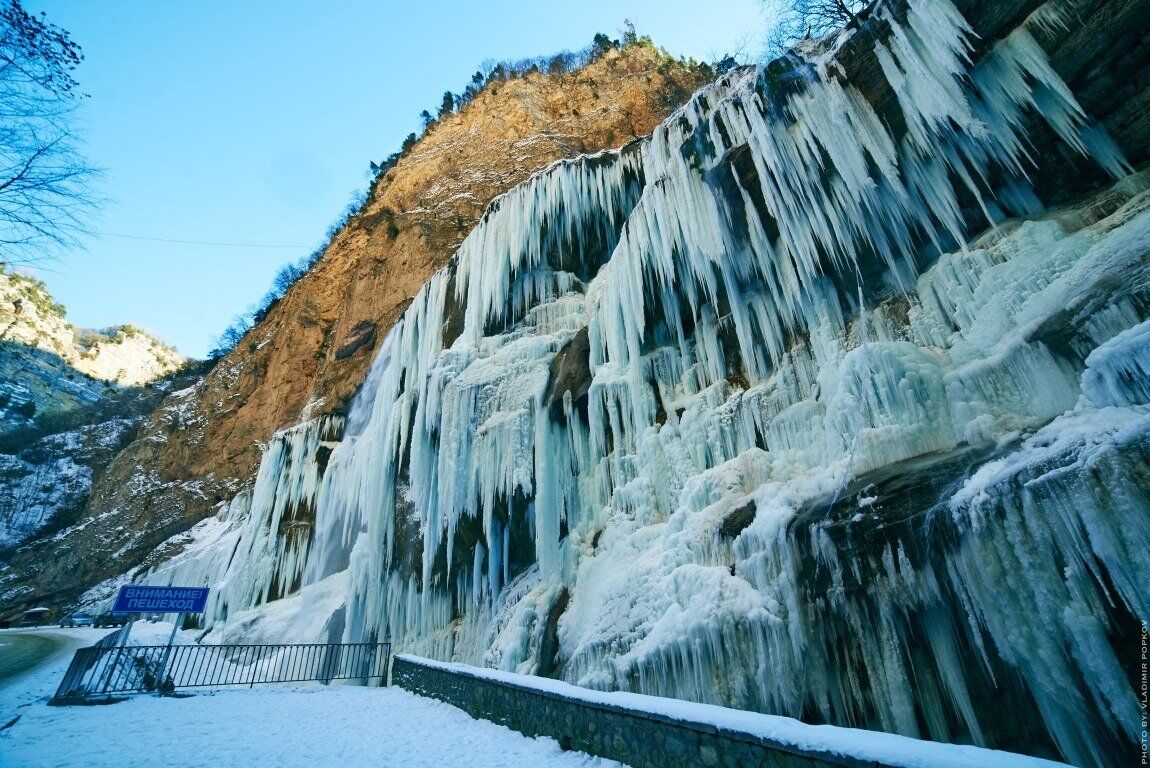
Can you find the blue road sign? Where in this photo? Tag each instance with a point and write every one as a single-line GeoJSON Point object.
{"type": "Point", "coordinates": [138, 599]}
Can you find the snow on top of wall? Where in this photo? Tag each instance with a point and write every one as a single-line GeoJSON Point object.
{"type": "Point", "coordinates": [820, 740]}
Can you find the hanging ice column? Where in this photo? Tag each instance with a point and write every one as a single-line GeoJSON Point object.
{"type": "Point", "coordinates": [634, 435]}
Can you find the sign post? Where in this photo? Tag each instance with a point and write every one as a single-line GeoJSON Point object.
{"type": "Point", "coordinates": [142, 599]}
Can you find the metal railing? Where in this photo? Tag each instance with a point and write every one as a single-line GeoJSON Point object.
{"type": "Point", "coordinates": [101, 671]}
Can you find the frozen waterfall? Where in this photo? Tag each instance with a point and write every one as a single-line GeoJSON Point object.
{"type": "Point", "coordinates": [641, 433]}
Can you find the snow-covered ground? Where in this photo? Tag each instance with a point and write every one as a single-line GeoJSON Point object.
{"type": "Point", "coordinates": [345, 726]}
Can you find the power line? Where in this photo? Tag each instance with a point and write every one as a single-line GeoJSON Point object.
{"type": "Point", "coordinates": [198, 242]}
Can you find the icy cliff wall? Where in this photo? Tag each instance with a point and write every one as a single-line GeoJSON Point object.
{"type": "Point", "coordinates": [313, 349]}
{"type": "Point", "coordinates": [738, 414]}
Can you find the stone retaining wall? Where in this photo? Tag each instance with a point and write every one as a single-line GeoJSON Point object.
{"type": "Point", "coordinates": [639, 739]}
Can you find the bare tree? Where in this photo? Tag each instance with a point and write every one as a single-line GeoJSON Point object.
{"type": "Point", "coordinates": [791, 21]}
{"type": "Point", "coordinates": [44, 181]}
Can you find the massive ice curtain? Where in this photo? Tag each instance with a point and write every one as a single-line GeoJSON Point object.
{"type": "Point", "coordinates": [739, 414]}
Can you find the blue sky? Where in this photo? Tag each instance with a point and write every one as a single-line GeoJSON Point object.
{"type": "Point", "coordinates": [254, 121]}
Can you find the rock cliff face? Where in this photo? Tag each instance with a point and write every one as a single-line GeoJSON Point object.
{"type": "Point", "coordinates": [311, 353]}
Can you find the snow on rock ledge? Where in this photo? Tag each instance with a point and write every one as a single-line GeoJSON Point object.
{"type": "Point", "coordinates": [1118, 372]}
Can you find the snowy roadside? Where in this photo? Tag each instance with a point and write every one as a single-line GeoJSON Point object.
{"type": "Point", "coordinates": [347, 726]}
{"type": "Point", "coordinates": [46, 674]}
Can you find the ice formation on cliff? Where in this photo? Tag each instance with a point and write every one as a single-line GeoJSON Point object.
{"type": "Point", "coordinates": [735, 414]}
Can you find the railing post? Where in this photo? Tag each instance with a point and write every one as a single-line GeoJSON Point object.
{"type": "Point", "coordinates": [168, 651]}
{"type": "Point", "coordinates": [109, 667]}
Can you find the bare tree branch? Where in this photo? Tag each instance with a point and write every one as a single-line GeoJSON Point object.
{"type": "Point", "coordinates": [792, 21]}
{"type": "Point", "coordinates": [45, 184]}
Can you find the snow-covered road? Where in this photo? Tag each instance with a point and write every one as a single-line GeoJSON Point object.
{"type": "Point", "coordinates": [343, 726]}
{"type": "Point", "coordinates": [21, 651]}
{"type": "Point", "coordinates": [26, 650]}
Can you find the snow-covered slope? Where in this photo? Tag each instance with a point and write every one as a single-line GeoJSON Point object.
{"type": "Point", "coordinates": [737, 414]}
{"type": "Point", "coordinates": [70, 399]}
{"type": "Point", "coordinates": [49, 480]}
